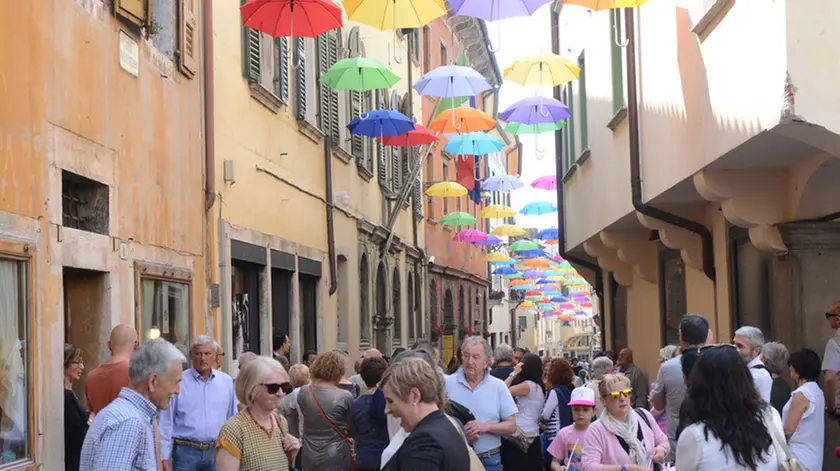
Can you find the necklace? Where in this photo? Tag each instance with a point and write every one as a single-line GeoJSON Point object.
{"type": "Point", "coordinates": [268, 432]}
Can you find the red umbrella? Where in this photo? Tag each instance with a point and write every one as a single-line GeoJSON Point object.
{"type": "Point", "coordinates": [420, 136]}
{"type": "Point", "coordinates": [300, 18]}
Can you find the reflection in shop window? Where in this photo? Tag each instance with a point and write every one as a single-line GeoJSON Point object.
{"type": "Point", "coordinates": [165, 311]}
{"type": "Point", "coordinates": [14, 443]}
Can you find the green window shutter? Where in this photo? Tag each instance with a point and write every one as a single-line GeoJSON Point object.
{"type": "Point", "coordinates": [396, 167]}
{"type": "Point", "coordinates": [300, 78]}
{"type": "Point", "coordinates": [382, 159]}
{"type": "Point", "coordinates": [335, 122]}
{"type": "Point", "coordinates": [418, 198]}
{"type": "Point", "coordinates": [323, 46]}
{"type": "Point", "coordinates": [616, 35]}
{"type": "Point", "coordinates": [283, 65]}
{"type": "Point", "coordinates": [357, 144]}
{"type": "Point", "coordinates": [371, 142]}
{"type": "Point", "coordinates": [584, 125]}
{"type": "Point", "coordinates": [251, 55]}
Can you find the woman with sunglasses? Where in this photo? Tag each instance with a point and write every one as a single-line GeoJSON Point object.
{"type": "Point", "coordinates": [623, 438]}
{"type": "Point", "coordinates": [257, 439]}
{"type": "Point", "coordinates": [729, 423]}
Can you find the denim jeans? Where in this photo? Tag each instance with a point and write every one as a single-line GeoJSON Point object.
{"type": "Point", "coordinates": [492, 463]}
{"type": "Point", "coordinates": [189, 459]}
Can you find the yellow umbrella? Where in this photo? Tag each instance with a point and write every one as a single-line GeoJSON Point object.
{"type": "Point", "coordinates": [496, 257]}
{"type": "Point", "coordinates": [508, 230]}
{"type": "Point", "coordinates": [394, 14]}
{"type": "Point", "coordinates": [606, 4]}
{"type": "Point", "coordinates": [544, 69]}
{"type": "Point", "coordinates": [526, 305]}
{"type": "Point", "coordinates": [462, 120]}
{"type": "Point", "coordinates": [497, 211]}
{"type": "Point", "coordinates": [447, 190]}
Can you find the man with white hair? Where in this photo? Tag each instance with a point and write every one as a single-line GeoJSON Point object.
{"type": "Point", "coordinates": [191, 424]}
{"type": "Point", "coordinates": [123, 434]}
{"type": "Point", "coordinates": [749, 341]}
{"type": "Point", "coordinates": [503, 357]}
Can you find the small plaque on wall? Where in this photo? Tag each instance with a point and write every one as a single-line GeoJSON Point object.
{"type": "Point", "coordinates": [129, 55]}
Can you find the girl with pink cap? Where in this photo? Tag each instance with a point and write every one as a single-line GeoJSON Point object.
{"type": "Point", "coordinates": [567, 447]}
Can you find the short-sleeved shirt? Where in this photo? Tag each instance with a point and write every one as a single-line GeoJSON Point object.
{"type": "Point", "coordinates": [831, 362]}
{"type": "Point", "coordinates": [670, 384]}
{"type": "Point", "coordinates": [256, 448]}
{"type": "Point", "coordinates": [490, 402]}
{"type": "Point", "coordinates": [567, 446]}
{"type": "Point", "coordinates": [104, 384]}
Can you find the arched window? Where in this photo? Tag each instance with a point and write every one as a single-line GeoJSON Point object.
{"type": "Point", "coordinates": [448, 308]}
{"type": "Point", "coordinates": [397, 307]}
{"type": "Point", "coordinates": [409, 296]}
{"type": "Point", "coordinates": [381, 293]}
{"type": "Point", "coordinates": [462, 312]}
{"type": "Point", "coordinates": [364, 301]}
{"type": "Point", "coordinates": [433, 302]}
{"type": "Point", "coordinates": [470, 318]}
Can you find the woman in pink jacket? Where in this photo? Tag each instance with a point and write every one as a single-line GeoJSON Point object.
{"type": "Point", "coordinates": [623, 439]}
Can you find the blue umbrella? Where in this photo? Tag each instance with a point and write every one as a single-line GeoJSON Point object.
{"type": "Point", "coordinates": [545, 282]}
{"type": "Point", "coordinates": [538, 207]}
{"type": "Point", "coordinates": [490, 240]}
{"type": "Point", "coordinates": [531, 253]}
{"type": "Point", "coordinates": [474, 143]}
{"type": "Point", "coordinates": [506, 262]}
{"type": "Point", "coordinates": [521, 287]}
{"type": "Point", "coordinates": [548, 234]}
{"type": "Point", "coordinates": [535, 110]}
{"type": "Point", "coordinates": [504, 271]}
{"type": "Point", "coordinates": [559, 299]}
{"type": "Point", "coordinates": [452, 81]}
{"type": "Point", "coordinates": [501, 183]}
{"type": "Point", "coordinates": [378, 123]}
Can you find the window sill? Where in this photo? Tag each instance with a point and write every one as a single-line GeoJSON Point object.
{"type": "Point", "coordinates": [568, 175]}
{"type": "Point", "coordinates": [271, 101]}
{"type": "Point", "coordinates": [431, 221]}
{"type": "Point", "coordinates": [447, 228]}
{"type": "Point", "coordinates": [583, 157]}
{"type": "Point", "coordinates": [342, 154]}
{"type": "Point", "coordinates": [366, 174]}
{"type": "Point", "coordinates": [310, 131]}
{"type": "Point", "coordinates": [713, 16]}
{"type": "Point", "coordinates": [617, 118]}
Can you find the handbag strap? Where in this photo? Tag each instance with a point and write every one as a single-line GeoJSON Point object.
{"type": "Point", "coordinates": [778, 438]}
{"type": "Point", "coordinates": [338, 430]}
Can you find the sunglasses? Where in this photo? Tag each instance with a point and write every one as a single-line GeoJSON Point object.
{"type": "Point", "coordinates": [272, 388]}
{"type": "Point", "coordinates": [626, 393]}
{"type": "Point", "coordinates": [829, 315]}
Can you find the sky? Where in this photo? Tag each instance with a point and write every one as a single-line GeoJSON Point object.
{"type": "Point", "coordinates": [513, 39]}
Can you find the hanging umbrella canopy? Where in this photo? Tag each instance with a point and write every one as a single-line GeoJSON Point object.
{"type": "Point", "coordinates": [566, 306]}
{"type": "Point", "coordinates": [558, 258]}
{"type": "Point", "coordinates": [504, 271]}
{"type": "Point", "coordinates": [514, 276]}
{"type": "Point", "coordinates": [526, 305]}
{"type": "Point", "coordinates": [360, 74]}
{"type": "Point", "coordinates": [533, 274]}
{"type": "Point", "coordinates": [559, 299]}
{"type": "Point", "coordinates": [536, 263]}
{"type": "Point", "coordinates": [554, 273]}
{"type": "Point", "coordinates": [537, 208]}
{"type": "Point", "coordinates": [419, 136]}
{"type": "Point", "coordinates": [521, 287]}
{"type": "Point", "coordinates": [381, 123]}
{"type": "Point", "coordinates": [545, 234]}
{"type": "Point", "coordinates": [519, 128]}
{"type": "Point", "coordinates": [543, 69]}
{"type": "Point", "coordinates": [518, 282]}
{"type": "Point", "coordinates": [535, 110]}
{"type": "Point", "coordinates": [490, 240]}
{"type": "Point", "coordinates": [507, 261]}
{"type": "Point", "coordinates": [301, 18]}
{"type": "Point", "coordinates": [501, 183]}
{"type": "Point", "coordinates": [447, 190]}
{"type": "Point", "coordinates": [450, 81]}
{"type": "Point", "coordinates": [461, 120]}
{"type": "Point", "coordinates": [493, 10]}
{"type": "Point", "coordinates": [469, 235]}
{"type": "Point", "coordinates": [457, 219]}
{"type": "Point", "coordinates": [497, 257]}
{"type": "Point", "coordinates": [497, 211]}
{"type": "Point", "coordinates": [533, 293]}
{"type": "Point", "coordinates": [394, 14]}
{"type": "Point", "coordinates": [508, 230]}
{"type": "Point", "coordinates": [547, 182]}
{"type": "Point", "coordinates": [531, 253]}
{"type": "Point", "coordinates": [474, 143]}
{"type": "Point", "coordinates": [606, 4]}
{"type": "Point", "coordinates": [565, 265]}
{"type": "Point", "coordinates": [523, 244]}
{"type": "Point", "coordinates": [575, 282]}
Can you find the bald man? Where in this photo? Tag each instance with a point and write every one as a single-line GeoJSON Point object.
{"type": "Point", "coordinates": [638, 379]}
{"type": "Point", "coordinates": [357, 378]}
{"type": "Point", "coordinates": [105, 381]}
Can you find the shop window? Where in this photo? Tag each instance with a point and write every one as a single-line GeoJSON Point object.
{"type": "Point", "coordinates": [672, 294]}
{"type": "Point", "coordinates": [245, 309]}
{"type": "Point", "coordinates": [164, 310]}
{"type": "Point", "coordinates": [14, 378]}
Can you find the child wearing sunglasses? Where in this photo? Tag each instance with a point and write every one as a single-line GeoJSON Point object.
{"type": "Point", "coordinates": [567, 447]}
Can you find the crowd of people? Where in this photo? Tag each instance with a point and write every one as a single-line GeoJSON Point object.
{"type": "Point", "coordinates": [712, 406]}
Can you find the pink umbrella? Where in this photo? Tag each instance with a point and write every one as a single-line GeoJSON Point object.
{"type": "Point", "coordinates": [558, 258]}
{"type": "Point", "coordinates": [470, 235]}
{"type": "Point", "coordinates": [548, 182]}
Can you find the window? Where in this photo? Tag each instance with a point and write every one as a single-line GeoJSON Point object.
{"type": "Point", "coordinates": [412, 35]}
{"type": "Point", "coordinates": [172, 25]}
{"type": "Point", "coordinates": [164, 308]}
{"type": "Point", "coordinates": [430, 179]}
{"type": "Point", "coordinates": [15, 386]}
{"type": "Point", "coordinates": [383, 152]}
{"type": "Point", "coordinates": [584, 131]}
{"type": "Point", "coordinates": [444, 178]}
{"type": "Point", "coordinates": [84, 203]}
{"type": "Point", "coordinates": [616, 40]}
{"type": "Point", "coordinates": [444, 60]}
{"type": "Point", "coordinates": [370, 144]}
{"type": "Point", "coordinates": [265, 63]}
{"type": "Point", "coordinates": [568, 132]}
{"type": "Point", "coordinates": [327, 45]}
{"type": "Point", "coordinates": [427, 49]}
{"type": "Point", "coordinates": [672, 294]}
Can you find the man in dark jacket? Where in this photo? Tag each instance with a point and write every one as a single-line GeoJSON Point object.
{"type": "Point", "coordinates": [637, 377]}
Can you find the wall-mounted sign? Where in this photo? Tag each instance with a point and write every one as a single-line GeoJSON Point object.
{"type": "Point", "coordinates": [129, 55]}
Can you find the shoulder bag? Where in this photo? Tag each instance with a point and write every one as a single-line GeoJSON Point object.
{"type": "Point", "coordinates": [338, 430]}
{"type": "Point", "coordinates": [786, 461]}
{"type": "Point", "coordinates": [475, 463]}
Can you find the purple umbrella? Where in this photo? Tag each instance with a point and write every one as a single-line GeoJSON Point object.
{"type": "Point", "coordinates": [501, 183]}
{"type": "Point", "coordinates": [490, 240]}
{"type": "Point", "coordinates": [535, 110]}
{"type": "Point", "coordinates": [492, 10]}
{"type": "Point", "coordinates": [532, 274]}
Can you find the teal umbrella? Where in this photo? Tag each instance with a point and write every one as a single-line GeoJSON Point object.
{"type": "Point", "coordinates": [359, 74]}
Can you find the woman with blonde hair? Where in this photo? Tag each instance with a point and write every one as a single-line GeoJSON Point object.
{"type": "Point", "coordinates": [412, 393]}
{"type": "Point", "coordinates": [256, 438]}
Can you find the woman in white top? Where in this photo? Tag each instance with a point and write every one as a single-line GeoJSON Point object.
{"type": "Point", "coordinates": [803, 414]}
{"type": "Point", "coordinates": [522, 450]}
{"type": "Point", "coordinates": [728, 421]}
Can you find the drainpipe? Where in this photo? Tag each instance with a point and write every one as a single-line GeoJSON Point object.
{"type": "Point", "coordinates": [329, 209]}
{"type": "Point", "coordinates": [209, 106]}
{"type": "Point", "coordinates": [635, 162]}
{"type": "Point", "coordinates": [410, 76]}
{"type": "Point", "coordinates": [558, 157]}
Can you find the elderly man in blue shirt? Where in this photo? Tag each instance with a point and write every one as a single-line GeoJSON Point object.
{"type": "Point", "coordinates": [487, 398]}
{"type": "Point", "coordinates": [191, 424]}
{"type": "Point", "coordinates": [123, 434]}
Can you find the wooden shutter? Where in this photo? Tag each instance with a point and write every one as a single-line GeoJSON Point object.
{"type": "Point", "coordinates": [283, 66]}
{"type": "Point", "coordinates": [251, 53]}
{"type": "Point", "coordinates": [323, 46]}
{"type": "Point", "coordinates": [382, 160]}
{"type": "Point", "coordinates": [300, 77]}
{"type": "Point", "coordinates": [335, 119]}
{"type": "Point", "coordinates": [418, 198]}
{"type": "Point", "coordinates": [357, 143]}
{"type": "Point", "coordinates": [188, 38]}
{"type": "Point", "coordinates": [134, 11]}
{"type": "Point", "coordinates": [396, 167]}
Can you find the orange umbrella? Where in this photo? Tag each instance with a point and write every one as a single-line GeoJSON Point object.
{"type": "Point", "coordinates": [551, 242]}
{"type": "Point", "coordinates": [536, 263]}
{"type": "Point", "coordinates": [462, 120]}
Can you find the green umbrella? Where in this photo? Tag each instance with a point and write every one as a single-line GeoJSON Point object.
{"type": "Point", "coordinates": [514, 276]}
{"type": "Point", "coordinates": [519, 128]}
{"type": "Point", "coordinates": [523, 244]}
{"type": "Point", "coordinates": [575, 282]}
{"type": "Point", "coordinates": [359, 74]}
{"type": "Point", "coordinates": [458, 219]}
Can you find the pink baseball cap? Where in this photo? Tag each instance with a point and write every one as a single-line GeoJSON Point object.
{"type": "Point", "coordinates": [583, 396]}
